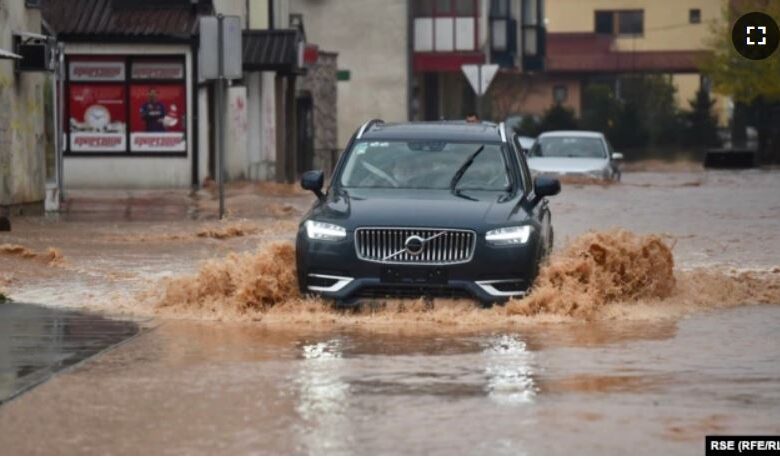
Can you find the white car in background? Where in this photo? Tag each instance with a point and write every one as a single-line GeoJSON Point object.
{"type": "Point", "coordinates": [574, 153]}
{"type": "Point", "coordinates": [525, 143]}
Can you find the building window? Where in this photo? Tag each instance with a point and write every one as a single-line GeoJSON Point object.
{"type": "Point", "coordinates": [605, 22]}
{"type": "Point", "coordinates": [694, 16]}
{"type": "Point", "coordinates": [445, 25]}
{"type": "Point", "coordinates": [631, 22]}
{"type": "Point", "coordinates": [499, 8]}
{"type": "Point", "coordinates": [560, 93]}
{"type": "Point", "coordinates": [126, 105]}
{"type": "Point", "coordinates": [500, 22]}
{"type": "Point", "coordinates": [423, 8]}
{"type": "Point", "coordinates": [532, 27]}
{"type": "Point", "coordinates": [625, 22]}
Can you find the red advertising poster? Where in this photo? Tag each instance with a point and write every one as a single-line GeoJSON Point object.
{"type": "Point", "coordinates": [155, 70]}
{"type": "Point", "coordinates": [157, 117]}
{"type": "Point", "coordinates": [97, 117]}
{"type": "Point", "coordinates": [96, 69]}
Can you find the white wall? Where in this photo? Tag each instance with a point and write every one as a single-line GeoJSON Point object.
{"type": "Point", "coordinates": [267, 169]}
{"type": "Point", "coordinates": [236, 159]}
{"type": "Point", "coordinates": [128, 171]}
{"type": "Point", "coordinates": [204, 127]}
{"type": "Point", "coordinates": [254, 135]}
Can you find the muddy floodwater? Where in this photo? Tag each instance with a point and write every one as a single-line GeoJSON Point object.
{"type": "Point", "coordinates": [648, 378]}
{"type": "Point", "coordinates": [190, 388]}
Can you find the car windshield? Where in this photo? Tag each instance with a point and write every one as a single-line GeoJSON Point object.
{"type": "Point", "coordinates": [425, 165]}
{"type": "Point", "coordinates": [569, 147]}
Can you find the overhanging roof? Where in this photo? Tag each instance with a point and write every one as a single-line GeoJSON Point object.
{"type": "Point", "coordinates": [80, 20]}
{"type": "Point", "coordinates": [8, 55]}
{"type": "Point", "coordinates": [595, 53]}
{"type": "Point", "coordinates": [275, 50]}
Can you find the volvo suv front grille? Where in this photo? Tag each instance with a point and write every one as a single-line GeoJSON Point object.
{"type": "Point", "coordinates": [415, 246]}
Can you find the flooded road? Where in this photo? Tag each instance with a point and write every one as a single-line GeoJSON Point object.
{"type": "Point", "coordinates": [37, 342]}
{"type": "Point", "coordinates": [649, 377]}
{"type": "Point", "coordinates": [621, 388]}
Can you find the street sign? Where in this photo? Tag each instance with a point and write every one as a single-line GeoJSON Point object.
{"type": "Point", "coordinates": [480, 76]}
{"type": "Point", "coordinates": [232, 48]}
{"type": "Point", "coordinates": [208, 58]}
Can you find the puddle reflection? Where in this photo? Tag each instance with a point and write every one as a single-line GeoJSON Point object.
{"type": "Point", "coordinates": [509, 371]}
{"type": "Point", "coordinates": [323, 397]}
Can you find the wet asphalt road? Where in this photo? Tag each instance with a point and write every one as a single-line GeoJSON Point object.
{"type": "Point", "coordinates": [620, 387]}
{"type": "Point", "coordinates": [36, 342]}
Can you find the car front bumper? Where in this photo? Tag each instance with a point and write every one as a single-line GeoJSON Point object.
{"type": "Point", "coordinates": [494, 274]}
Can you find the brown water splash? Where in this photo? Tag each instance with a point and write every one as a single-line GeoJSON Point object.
{"type": "Point", "coordinates": [240, 282]}
{"type": "Point", "coordinates": [52, 255]}
{"type": "Point", "coordinates": [614, 275]}
{"type": "Point", "coordinates": [597, 269]}
{"type": "Point", "coordinates": [585, 180]}
{"type": "Point", "coordinates": [229, 230]}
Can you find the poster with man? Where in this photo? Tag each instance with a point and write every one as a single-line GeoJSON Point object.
{"type": "Point", "coordinates": [157, 122]}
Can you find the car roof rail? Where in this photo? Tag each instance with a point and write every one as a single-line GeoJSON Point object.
{"type": "Point", "coordinates": [502, 131]}
{"type": "Point", "coordinates": [368, 125]}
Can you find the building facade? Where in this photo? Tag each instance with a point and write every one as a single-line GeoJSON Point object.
{"type": "Point", "coordinates": [138, 113]}
{"type": "Point", "coordinates": [23, 166]}
{"type": "Point", "coordinates": [371, 39]}
{"type": "Point", "coordinates": [401, 59]}
{"type": "Point", "coordinates": [603, 39]}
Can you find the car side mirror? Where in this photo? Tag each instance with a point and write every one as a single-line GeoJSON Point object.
{"type": "Point", "coordinates": [545, 186]}
{"type": "Point", "coordinates": [313, 181]}
{"type": "Point", "coordinates": [617, 156]}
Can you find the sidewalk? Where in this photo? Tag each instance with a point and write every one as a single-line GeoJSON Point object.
{"type": "Point", "coordinates": [242, 199]}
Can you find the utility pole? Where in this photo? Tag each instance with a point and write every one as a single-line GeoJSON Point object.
{"type": "Point", "coordinates": [220, 60]}
{"type": "Point", "coordinates": [219, 118]}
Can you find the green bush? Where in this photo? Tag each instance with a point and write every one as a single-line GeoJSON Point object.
{"type": "Point", "coordinates": [558, 118]}
{"type": "Point", "coordinates": [600, 108]}
{"type": "Point", "coordinates": [644, 115]}
{"type": "Point", "coordinates": [701, 128]}
{"type": "Point", "coordinates": [528, 127]}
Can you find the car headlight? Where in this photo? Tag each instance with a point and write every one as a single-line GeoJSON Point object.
{"type": "Point", "coordinates": [324, 231]}
{"type": "Point", "coordinates": [511, 235]}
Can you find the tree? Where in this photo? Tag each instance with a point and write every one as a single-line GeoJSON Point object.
{"type": "Point", "coordinates": [652, 100]}
{"type": "Point", "coordinates": [702, 126]}
{"type": "Point", "coordinates": [629, 131]}
{"type": "Point", "coordinates": [528, 126]}
{"type": "Point", "coordinates": [754, 83]}
{"type": "Point", "coordinates": [600, 108]}
{"type": "Point", "coordinates": [558, 118]}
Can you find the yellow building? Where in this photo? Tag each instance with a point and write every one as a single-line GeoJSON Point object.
{"type": "Point", "coordinates": [601, 40]}
{"type": "Point", "coordinates": [660, 34]}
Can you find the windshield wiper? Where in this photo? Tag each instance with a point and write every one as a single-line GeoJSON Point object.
{"type": "Point", "coordinates": [460, 194]}
{"type": "Point", "coordinates": [463, 167]}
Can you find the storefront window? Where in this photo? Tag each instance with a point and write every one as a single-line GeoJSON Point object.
{"type": "Point", "coordinates": [104, 97]}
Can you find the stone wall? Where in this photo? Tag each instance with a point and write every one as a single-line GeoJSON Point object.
{"type": "Point", "coordinates": [320, 82]}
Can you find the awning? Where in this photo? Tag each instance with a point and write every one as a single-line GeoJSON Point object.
{"type": "Point", "coordinates": [8, 55]}
{"type": "Point", "coordinates": [277, 50]}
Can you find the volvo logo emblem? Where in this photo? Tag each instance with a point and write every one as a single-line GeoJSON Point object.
{"type": "Point", "coordinates": [414, 244]}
